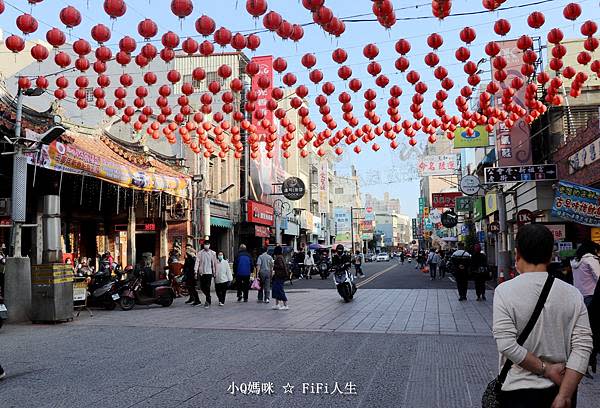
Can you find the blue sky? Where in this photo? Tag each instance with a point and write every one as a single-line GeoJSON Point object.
{"type": "Point", "coordinates": [315, 40]}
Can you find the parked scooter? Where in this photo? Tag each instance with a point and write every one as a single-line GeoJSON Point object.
{"type": "Point", "coordinates": [344, 282]}
{"type": "Point", "coordinates": [142, 291]}
{"type": "Point", "coordinates": [323, 269]}
{"type": "Point", "coordinates": [3, 311]}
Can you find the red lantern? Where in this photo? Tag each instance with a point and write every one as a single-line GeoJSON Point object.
{"type": "Point", "coordinates": [205, 25]}
{"type": "Point", "coordinates": [524, 42]}
{"type": "Point", "coordinates": [339, 55]}
{"type": "Point", "coordinates": [24, 83]}
{"type": "Point", "coordinates": [27, 23]}
{"type": "Point", "coordinates": [584, 58]}
{"type": "Point", "coordinates": [206, 48]}
{"type": "Point", "coordinates": [403, 47]}
{"type": "Point", "coordinates": [222, 36]}
{"type": "Point", "coordinates": [309, 60]}
{"type": "Point", "coordinates": [589, 28]}
{"type": "Point", "coordinates": [285, 30]}
{"type": "Point", "coordinates": [355, 85]}
{"type": "Point", "coordinates": [39, 52]}
{"type": "Point", "coordinates": [382, 81]}
{"type": "Point", "coordinates": [256, 8]}
{"type": "Point", "coordinates": [572, 11]}
{"type": "Point", "coordinates": [41, 82]}
{"type": "Point", "coordinates": [431, 59]}
{"type": "Point", "coordinates": [435, 41]}
{"type": "Point", "coordinates": [462, 54]}
{"type": "Point", "coordinates": [123, 58]}
{"type": "Point", "coordinates": [322, 16]}
{"type": "Point", "coordinates": [374, 68]}
{"type": "Point", "coordinates": [100, 33]}
{"type": "Point", "coordinates": [189, 46]}
{"type": "Point", "coordinates": [502, 27]}
{"type": "Point", "coordinates": [345, 72]}
{"type": "Point", "coordinates": [279, 64]}
{"type": "Point", "coordinates": [536, 19]}
{"type": "Point", "coordinates": [104, 53]}
{"type": "Point", "coordinates": [224, 71]}
{"type": "Point", "coordinates": [467, 35]}
{"type": "Point", "coordinates": [62, 82]}
{"type": "Point", "coordinates": [147, 28]}
{"type": "Point", "coordinates": [402, 64]}
{"type": "Point", "coordinates": [371, 51]}
{"type": "Point", "coordinates": [182, 8]}
{"type": "Point", "coordinates": [55, 37]}
{"type": "Point", "coordinates": [70, 17]}
{"type": "Point", "coordinates": [103, 81]}
{"type": "Point", "coordinates": [238, 42]}
{"type": "Point", "coordinates": [289, 79]}
{"type": "Point", "coordinates": [590, 44]}
{"type": "Point", "coordinates": [413, 77]}
{"type": "Point", "coordinates": [81, 47]}
{"type": "Point", "coordinates": [253, 42]}
{"type": "Point", "coordinates": [272, 20]}
{"type": "Point", "coordinates": [127, 44]}
{"type": "Point", "coordinates": [297, 32]}
{"type": "Point", "coordinates": [170, 39]}
{"type": "Point", "coordinates": [555, 36]}
{"type": "Point", "coordinates": [82, 64]}
{"type": "Point", "coordinates": [492, 49]}
{"type": "Point", "coordinates": [62, 59]}
{"type": "Point", "coordinates": [14, 43]}
{"type": "Point", "coordinates": [167, 54]}
{"type": "Point", "coordinates": [126, 80]}
{"type": "Point", "coordinates": [115, 8]}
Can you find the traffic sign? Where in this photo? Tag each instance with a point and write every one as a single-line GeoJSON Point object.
{"type": "Point", "coordinates": [369, 214]}
{"type": "Point", "coordinates": [515, 174]}
{"type": "Point", "coordinates": [470, 185]}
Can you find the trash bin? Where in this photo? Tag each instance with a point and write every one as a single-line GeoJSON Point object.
{"type": "Point", "coordinates": [51, 293]}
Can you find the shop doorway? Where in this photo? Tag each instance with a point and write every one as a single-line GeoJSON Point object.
{"type": "Point", "coordinates": [145, 242]}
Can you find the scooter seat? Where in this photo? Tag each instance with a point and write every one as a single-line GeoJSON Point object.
{"type": "Point", "coordinates": [162, 282]}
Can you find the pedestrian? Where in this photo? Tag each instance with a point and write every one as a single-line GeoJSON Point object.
{"type": "Point", "coordinates": [443, 265]}
{"type": "Point", "coordinates": [264, 264]}
{"type": "Point", "coordinates": [206, 268]}
{"type": "Point", "coordinates": [479, 268]}
{"type": "Point", "coordinates": [549, 362]}
{"type": "Point", "coordinates": [309, 264]}
{"type": "Point", "coordinates": [402, 256]}
{"type": "Point", "coordinates": [189, 274]}
{"type": "Point", "coordinates": [242, 268]}
{"type": "Point", "coordinates": [433, 260]}
{"type": "Point", "coordinates": [223, 277]}
{"type": "Point", "coordinates": [280, 274]}
{"type": "Point", "coordinates": [358, 261]}
{"type": "Point", "coordinates": [586, 270]}
{"type": "Point", "coordinates": [460, 262]}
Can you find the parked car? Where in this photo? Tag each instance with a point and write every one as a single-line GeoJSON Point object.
{"type": "Point", "coordinates": [383, 257]}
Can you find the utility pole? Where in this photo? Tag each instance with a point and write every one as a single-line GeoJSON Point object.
{"type": "Point", "coordinates": [19, 184]}
{"type": "Point", "coordinates": [352, 228]}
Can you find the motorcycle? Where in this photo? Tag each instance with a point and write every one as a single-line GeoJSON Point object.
{"type": "Point", "coordinates": [140, 291]}
{"type": "Point", "coordinates": [105, 296]}
{"type": "Point", "coordinates": [323, 268]}
{"type": "Point", "coordinates": [344, 282]}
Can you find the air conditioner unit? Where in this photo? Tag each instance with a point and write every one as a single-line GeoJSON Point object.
{"type": "Point", "coordinates": [4, 207]}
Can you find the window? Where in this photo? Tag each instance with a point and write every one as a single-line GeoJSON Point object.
{"type": "Point", "coordinates": [339, 190]}
{"type": "Point", "coordinates": [89, 94]}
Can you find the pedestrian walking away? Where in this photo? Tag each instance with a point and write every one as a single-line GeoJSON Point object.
{"type": "Point", "coordinates": [206, 268]}
{"type": "Point", "coordinates": [551, 357]}
{"type": "Point", "coordinates": [264, 264]}
{"type": "Point", "coordinates": [460, 262]}
{"type": "Point", "coordinates": [223, 278]}
{"type": "Point", "coordinates": [586, 270]}
{"type": "Point", "coordinates": [358, 261]}
{"type": "Point", "coordinates": [242, 269]}
{"type": "Point", "coordinates": [309, 264]}
{"type": "Point", "coordinates": [189, 273]}
{"type": "Point", "coordinates": [433, 260]}
{"type": "Point", "coordinates": [280, 273]}
{"type": "Point", "coordinates": [402, 256]}
{"type": "Point", "coordinates": [479, 269]}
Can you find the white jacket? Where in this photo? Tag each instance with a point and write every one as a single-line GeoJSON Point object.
{"type": "Point", "coordinates": [223, 272]}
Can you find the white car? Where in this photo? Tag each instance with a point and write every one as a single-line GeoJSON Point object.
{"type": "Point", "coordinates": [383, 257]}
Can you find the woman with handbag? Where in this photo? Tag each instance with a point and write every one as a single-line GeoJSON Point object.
{"type": "Point", "coordinates": [541, 329]}
{"type": "Point", "coordinates": [280, 274]}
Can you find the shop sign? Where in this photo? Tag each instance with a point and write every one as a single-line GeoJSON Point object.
{"type": "Point", "coordinates": [438, 165]}
{"type": "Point", "coordinates": [293, 188]}
{"type": "Point", "coordinates": [524, 217]}
{"type": "Point", "coordinates": [494, 227]}
{"type": "Point", "coordinates": [584, 157]}
{"type": "Point", "coordinates": [369, 214]}
{"type": "Point", "coordinates": [558, 230]}
{"type": "Point", "coordinates": [366, 237]}
{"type": "Point", "coordinates": [595, 235]}
{"type": "Point", "coordinates": [265, 64]}
{"type": "Point", "coordinates": [261, 231]}
{"type": "Point", "coordinates": [479, 138]}
{"type": "Point", "coordinates": [444, 200]}
{"type": "Point", "coordinates": [577, 203]}
{"type": "Point", "coordinates": [4, 221]}
{"type": "Point", "coordinates": [449, 219]}
{"type": "Point", "coordinates": [478, 209]}
{"type": "Point", "coordinates": [470, 185]}
{"type": "Point", "coordinates": [463, 204]}
{"type": "Point", "coordinates": [481, 236]}
{"type": "Point", "coordinates": [491, 203]}
{"type": "Point", "coordinates": [259, 213]}
{"type": "Point", "coordinates": [323, 187]}
{"type": "Point", "coordinates": [435, 216]}
{"type": "Point", "coordinates": [428, 224]}
{"type": "Point", "coordinates": [515, 174]}
{"type": "Point", "coordinates": [415, 230]}
{"type": "Point", "coordinates": [426, 212]}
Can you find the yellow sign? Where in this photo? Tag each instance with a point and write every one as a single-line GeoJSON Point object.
{"type": "Point", "coordinates": [595, 235]}
{"type": "Point", "coordinates": [426, 212]}
{"type": "Point", "coordinates": [491, 203]}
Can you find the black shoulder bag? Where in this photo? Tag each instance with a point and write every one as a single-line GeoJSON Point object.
{"type": "Point", "coordinates": [491, 396]}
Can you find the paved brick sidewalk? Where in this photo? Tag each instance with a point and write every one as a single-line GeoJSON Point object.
{"type": "Point", "coordinates": [408, 311]}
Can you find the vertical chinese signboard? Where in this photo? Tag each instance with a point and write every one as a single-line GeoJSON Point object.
{"type": "Point", "coordinates": [323, 187]}
{"type": "Point", "coordinates": [265, 64]}
{"type": "Point", "coordinates": [513, 145]}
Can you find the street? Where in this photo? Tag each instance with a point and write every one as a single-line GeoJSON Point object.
{"type": "Point", "coordinates": [400, 346]}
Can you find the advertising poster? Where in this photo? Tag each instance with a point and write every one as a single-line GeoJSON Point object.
{"type": "Point", "coordinates": [577, 203]}
{"type": "Point", "coordinates": [479, 138]}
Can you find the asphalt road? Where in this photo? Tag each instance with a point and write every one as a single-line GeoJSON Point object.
{"type": "Point", "coordinates": [384, 275]}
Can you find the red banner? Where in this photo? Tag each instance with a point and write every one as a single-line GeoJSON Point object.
{"type": "Point", "coordinates": [444, 200]}
{"type": "Point", "coordinates": [265, 64]}
{"type": "Point", "coordinates": [261, 231]}
{"type": "Point", "coordinates": [259, 213]}
{"type": "Point", "coordinates": [513, 147]}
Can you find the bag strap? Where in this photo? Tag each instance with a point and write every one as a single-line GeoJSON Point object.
{"type": "Point", "coordinates": [530, 324]}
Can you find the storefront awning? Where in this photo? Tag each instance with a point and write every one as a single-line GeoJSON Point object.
{"type": "Point", "coordinates": [221, 222]}
{"type": "Point", "coordinates": [104, 159]}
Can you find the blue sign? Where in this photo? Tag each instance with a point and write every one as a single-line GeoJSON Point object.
{"type": "Point", "coordinates": [481, 236]}
{"type": "Point", "coordinates": [464, 230]}
{"type": "Point", "coordinates": [577, 203]}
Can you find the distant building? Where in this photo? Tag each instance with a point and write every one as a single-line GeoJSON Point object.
{"type": "Point", "coordinates": [387, 205]}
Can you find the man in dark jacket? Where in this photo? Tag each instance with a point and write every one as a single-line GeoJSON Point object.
{"type": "Point", "coordinates": [242, 269]}
{"type": "Point", "coordinates": [340, 258]}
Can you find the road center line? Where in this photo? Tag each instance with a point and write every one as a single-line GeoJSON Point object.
{"type": "Point", "coordinates": [373, 277]}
